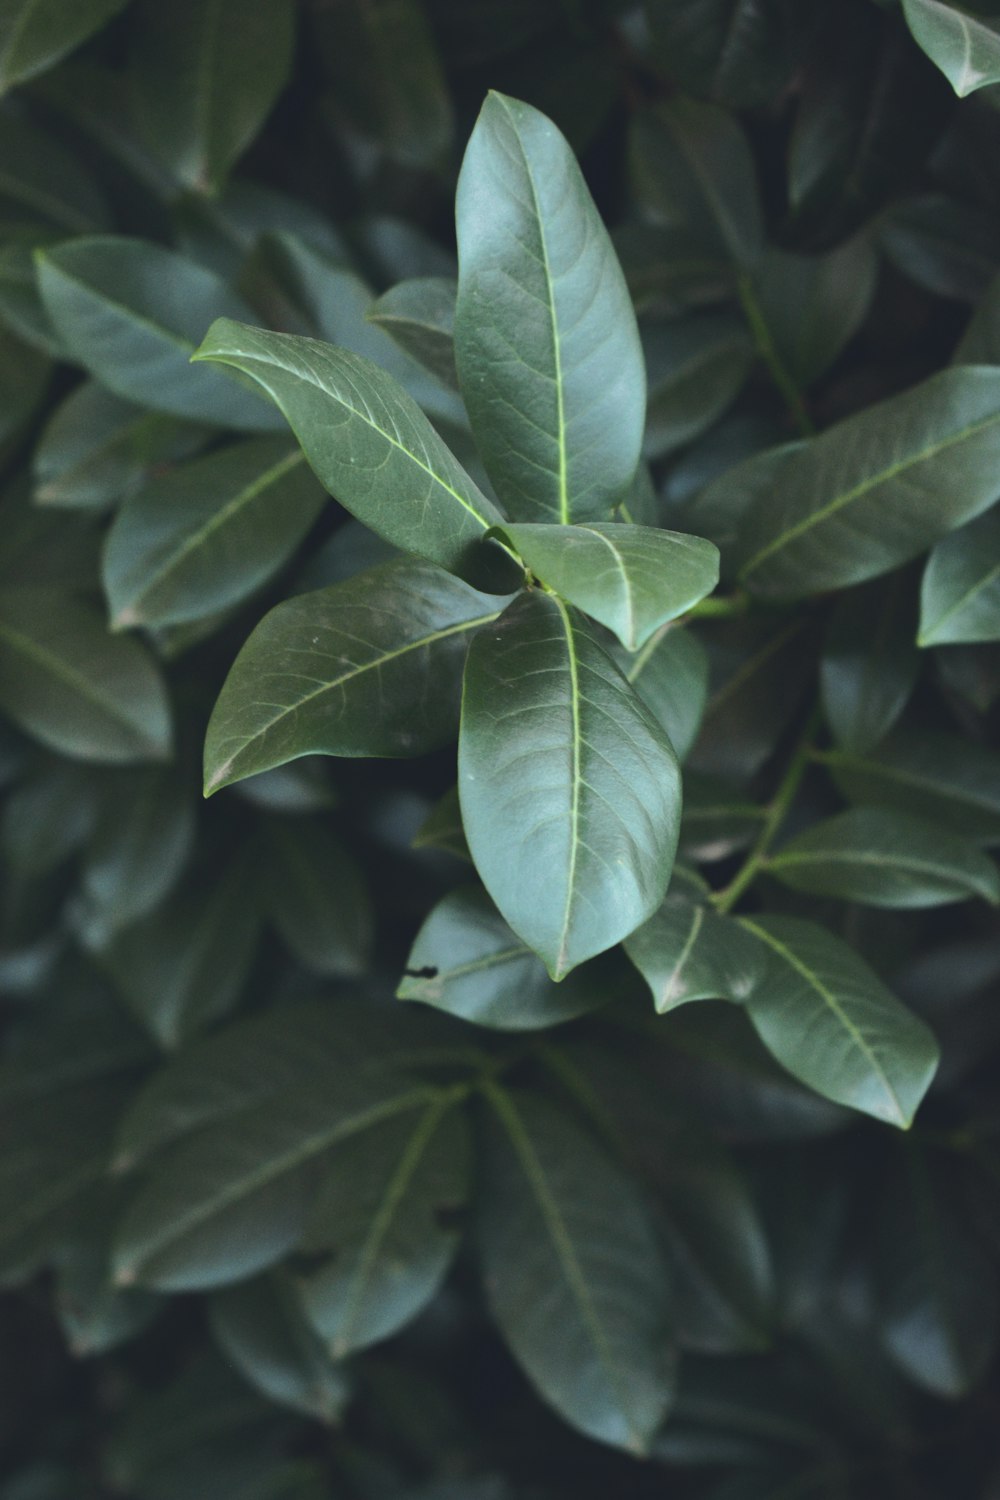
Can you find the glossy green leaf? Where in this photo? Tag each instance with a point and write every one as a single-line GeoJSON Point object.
{"type": "Point", "coordinates": [960, 592]}
{"type": "Point", "coordinates": [230, 1195]}
{"type": "Point", "coordinates": [260, 1328]}
{"type": "Point", "coordinates": [74, 687]}
{"type": "Point", "coordinates": [205, 536]}
{"type": "Point", "coordinates": [828, 1018]}
{"type": "Point", "coordinates": [97, 449]}
{"type": "Point", "coordinates": [932, 774]}
{"type": "Point", "coordinates": [940, 1298]}
{"type": "Point", "coordinates": [885, 858]}
{"type": "Point", "coordinates": [35, 34]}
{"type": "Point", "coordinates": [670, 674]}
{"type": "Point", "coordinates": [573, 1275]}
{"type": "Point", "coordinates": [316, 896]}
{"type": "Point", "coordinates": [204, 78]}
{"type": "Point", "coordinates": [466, 961]}
{"type": "Point", "coordinates": [688, 952]}
{"type": "Point", "coordinates": [633, 579]}
{"type": "Point", "coordinates": [368, 667]}
{"type": "Point", "coordinates": [966, 47]}
{"type": "Point", "coordinates": [388, 1209]}
{"type": "Point", "coordinates": [869, 664]}
{"type": "Point", "coordinates": [420, 316]}
{"type": "Point", "coordinates": [878, 488]}
{"type": "Point", "coordinates": [185, 963]}
{"type": "Point", "coordinates": [369, 444]}
{"type": "Point", "coordinates": [545, 338]}
{"type": "Point", "coordinates": [132, 314]}
{"type": "Point", "coordinates": [696, 367]}
{"type": "Point", "coordinates": [569, 788]}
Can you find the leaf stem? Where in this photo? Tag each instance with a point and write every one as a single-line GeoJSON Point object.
{"type": "Point", "coordinates": [720, 607]}
{"type": "Point", "coordinates": [726, 899]}
{"type": "Point", "coordinates": [768, 351]}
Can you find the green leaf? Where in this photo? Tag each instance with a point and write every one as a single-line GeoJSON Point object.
{"type": "Point", "coordinates": [828, 1018]}
{"type": "Point", "coordinates": [442, 828]}
{"type": "Point", "coordinates": [388, 1209]}
{"type": "Point", "coordinates": [206, 535]}
{"type": "Point", "coordinates": [869, 664]}
{"type": "Point", "coordinates": [97, 449]}
{"type": "Point", "coordinates": [696, 367]}
{"type": "Point", "coordinates": [204, 78]}
{"type": "Point", "coordinates": [813, 305]}
{"type": "Point", "coordinates": [24, 374]}
{"type": "Point", "coordinates": [371, 666]}
{"type": "Point", "coordinates": [95, 1316]}
{"type": "Point", "coordinates": [185, 963]}
{"type": "Point", "coordinates": [316, 896]}
{"type": "Point", "coordinates": [940, 1304]}
{"type": "Point", "coordinates": [932, 774]}
{"type": "Point", "coordinates": [878, 488]}
{"type": "Point", "coordinates": [980, 343]}
{"type": "Point", "coordinates": [35, 34]}
{"type": "Point", "coordinates": [142, 839]}
{"type": "Point", "coordinates": [734, 51]}
{"type": "Point", "coordinates": [948, 247]}
{"type": "Point", "coordinates": [760, 669]}
{"type": "Point", "coordinates": [960, 592]}
{"type": "Point", "coordinates": [368, 442]}
{"type": "Point", "coordinates": [670, 674]}
{"type": "Point", "coordinates": [465, 960]}
{"type": "Point", "coordinates": [574, 1277]}
{"type": "Point", "coordinates": [74, 687]}
{"type": "Point", "coordinates": [21, 308]}
{"type": "Point", "coordinates": [132, 314]}
{"type": "Point", "coordinates": [693, 170]}
{"type": "Point", "coordinates": [688, 952]}
{"type": "Point", "coordinates": [553, 740]}
{"type": "Point", "coordinates": [420, 316]}
{"type": "Point", "coordinates": [241, 1123]}
{"type": "Point", "coordinates": [260, 1328]}
{"type": "Point", "coordinates": [45, 184]}
{"type": "Point", "coordinates": [885, 858]}
{"type": "Point", "coordinates": [633, 579]}
{"type": "Point", "coordinates": [965, 47]}
{"type": "Point", "coordinates": [545, 337]}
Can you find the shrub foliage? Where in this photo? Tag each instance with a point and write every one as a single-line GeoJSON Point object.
{"type": "Point", "coordinates": [535, 468]}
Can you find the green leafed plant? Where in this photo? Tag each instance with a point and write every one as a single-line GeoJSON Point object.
{"type": "Point", "coordinates": [499, 759]}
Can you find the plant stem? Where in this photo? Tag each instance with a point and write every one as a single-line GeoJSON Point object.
{"type": "Point", "coordinates": [726, 899]}
{"type": "Point", "coordinates": [719, 608]}
{"type": "Point", "coordinates": [768, 351]}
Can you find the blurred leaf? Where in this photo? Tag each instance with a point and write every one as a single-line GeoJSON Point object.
{"type": "Point", "coordinates": [814, 305]}
{"type": "Point", "coordinates": [869, 663]}
{"type": "Point", "coordinates": [696, 368]}
{"type": "Point", "coordinates": [208, 534]}
{"type": "Point", "coordinates": [37, 33]}
{"type": "Point", "coordinates": [316, 896]}
{"type": "Point", "coordinates": [374, 646]}
{"type": "Point", "coordinates": [97, 449]}
{"type": "Point", "coordinates": [670, 674]}
{"type": "Point", "coordinates": [759, 672]}
{"type": "Point", "coordinates": [573, 1274]}
{"type": "Point", "coordinates": [733, 51]}
{"type": "Point", "coordinates": [204, 77]}
{"type": "Point", "coordinates": [71, 685]}
{"type": "Point", "coordinates": [885, 858]}
{"type": "Point", "coordinates": [420, 316]}
{"type": "Point", "coordinates": [132, 314]}
{"type": "Point", "coordinates": [945, 246]}
{"type": "Point", "coordinates": [260, 1328]}
{"type": "Point", "coordinates": [45, 183]}
{"type": "Point", "coordinates": [960, 592]}
{"type": "Point", "coordinates": [932, 774]}
{"type": "Point", "coordinates": [442, 828]}
{"type": "Point", "coordinates": [878, 488]}
{"type": "Point", "coordinates": [389, 1209]}
{"type": "Point", "coordinates": [24, 374]}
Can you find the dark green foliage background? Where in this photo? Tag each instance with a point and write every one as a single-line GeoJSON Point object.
{"type": "Point", "coordinates": [605, 1251]}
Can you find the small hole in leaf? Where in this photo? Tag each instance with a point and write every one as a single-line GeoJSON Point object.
{"type": "Point", "coordinates": [428, 972]}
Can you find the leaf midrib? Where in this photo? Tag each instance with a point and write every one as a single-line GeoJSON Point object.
{"type": "Point", "coordinates": [927, 637]}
